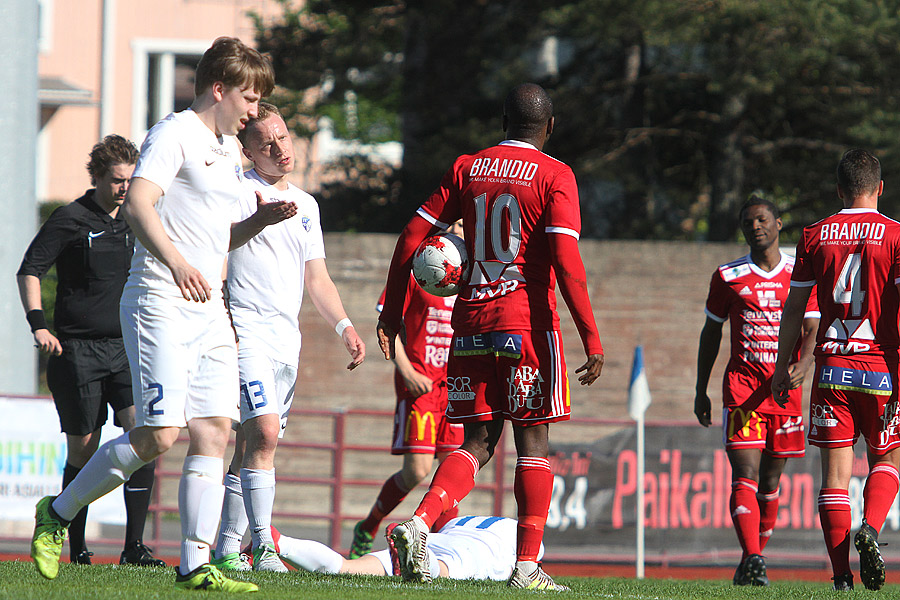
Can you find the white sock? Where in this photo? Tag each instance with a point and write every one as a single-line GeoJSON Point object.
{"type": "Point", "coordinates": [258, 486]}
{"type": "Point", "coordinates": [110, 466]}
{"type": "Point", "coordinates": [234, 518]}
{"type": "Point", "coordinates": [309, 555]}
{"type": "Point", "coordinates": [200, 495]}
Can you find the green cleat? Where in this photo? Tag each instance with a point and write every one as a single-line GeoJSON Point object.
{"type": "Point", "coordinates": [48, 538]}
{"type": "Point", "coordinates": [236, 561]}
{"type": "Point", "coordinates": [362, 542]}
{"type": "Point", "coordinates": [210, 579]}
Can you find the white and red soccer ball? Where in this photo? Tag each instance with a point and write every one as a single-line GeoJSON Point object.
{"type": "Point", "coordinates": [441, 264]}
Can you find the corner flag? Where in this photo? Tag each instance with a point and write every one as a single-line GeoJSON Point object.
{"type": "Point", "coordinates": [639, 389]}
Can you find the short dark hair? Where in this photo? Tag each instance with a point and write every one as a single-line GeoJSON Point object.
{"type": "Point", "coordinates": [235, 64]}
{"type": "Point", "coordinates": [108, 152]}
{"type": "Point", "coordinates": [758, 200]}
{"type": "Point", "coordinates": [265, 111]}
{"type": "Point", "coordinates": [858, 173]}
{"type": "Point", "coordinates": [527, 108]}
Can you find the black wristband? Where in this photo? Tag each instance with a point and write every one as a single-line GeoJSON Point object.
{"type": "Point", "coordinates": [36, 319]}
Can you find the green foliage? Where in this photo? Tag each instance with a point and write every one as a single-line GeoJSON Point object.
{"type": "Point", "coordinates": [108, 582]}
{"type": "Point", "coordinates": [670, 113]}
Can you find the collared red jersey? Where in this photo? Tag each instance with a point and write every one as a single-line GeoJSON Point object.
{"type": "Point", "coordinates": [92, 252]}
{"type": "Point", "coordinates": [200, 175]}
{"type": "Point", "coordinates": [853, 257]}
{"type": "Point", "coordinates": [511, 197]}
{"type": "Point", "coordinates": [752, 300]}
{"type": "Point", "coordinates": [428, 331]}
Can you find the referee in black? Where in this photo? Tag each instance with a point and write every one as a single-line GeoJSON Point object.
{"type": "Point", "coordinates": [87, 368]}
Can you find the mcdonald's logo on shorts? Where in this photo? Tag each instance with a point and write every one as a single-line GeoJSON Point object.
{"type": "Point", "coordinates": [418, 425]}
{"type": "Point", "coordinates": [743, 422]}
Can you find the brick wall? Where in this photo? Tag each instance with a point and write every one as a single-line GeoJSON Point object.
{"type": "Point", "coordinates": [649, 293]}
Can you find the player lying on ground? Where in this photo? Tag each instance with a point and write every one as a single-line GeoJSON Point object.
{"type": "Point", "coordinates": [464, 548]}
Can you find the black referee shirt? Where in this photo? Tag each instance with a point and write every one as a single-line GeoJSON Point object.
{"type": "Point", "coordinates": [92, 252]}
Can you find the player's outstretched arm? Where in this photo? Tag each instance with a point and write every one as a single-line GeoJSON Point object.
{"type": "Point", "coordinates": [788, 332]}
{"type": "Point", "coordinates": [398, 276]}
{"type": "Point", "coordinates": [138, 210]}
{"type": "Point", "coordinates": [327, 301]}
{"type": "Point", "coordinates": [708, 350]}
{"type": "Point", "coordinates": [267, 213]}
{"type": "Point", "coordinates": [573, 285]}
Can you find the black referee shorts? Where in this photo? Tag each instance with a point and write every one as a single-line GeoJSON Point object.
{"type": "Point", "coordinates": [87, 376]}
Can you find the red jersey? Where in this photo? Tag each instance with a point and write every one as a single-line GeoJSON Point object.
{"type": "Point", "coordinates": [854, 257]}
{"type": "Point", "coordinates": [510, 197]}
{"type": "Point", "coordinates": [752, 300]}
{"type": "Point", "coordinates": [428, 331]}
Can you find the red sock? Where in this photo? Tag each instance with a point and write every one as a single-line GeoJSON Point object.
{"type": "Point", "coordinates": [745, 515]}
{"type": "Point", "coordinates": [834, 512]}
{"type": "Point", "coordinates": [533, 487]}
{"type": "Point", "coordinates": [391, 495]}
{"type": "Point", "coordinates": [442, 520]}
{"type": "Point", "coordinates": [455, 477]}
{"type": "Point", "coordinates": [768, 514]}
{"type": "Point", "coordinates": [879, 493]}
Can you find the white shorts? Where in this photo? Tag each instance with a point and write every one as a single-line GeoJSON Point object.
{"type": "Point", "coordinates": [183, 362]}
{"type": "Point", "coordinates": [267, 385]}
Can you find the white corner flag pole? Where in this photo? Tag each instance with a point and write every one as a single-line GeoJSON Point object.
{"type": "Point", "coordinates": [638, 401]}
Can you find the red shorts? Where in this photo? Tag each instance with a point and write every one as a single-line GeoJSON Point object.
{"type": "Point", "coordinates": [421, 427]}
{"type": "Point", "coordinates": [850, 397]}
{"type": "Point", "coordinates": [776, 435]}
{"type": "Point", "coordinates": [519, 375]}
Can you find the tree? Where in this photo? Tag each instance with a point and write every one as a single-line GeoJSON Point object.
{"type": "Point", "coordinates": [670, 113]}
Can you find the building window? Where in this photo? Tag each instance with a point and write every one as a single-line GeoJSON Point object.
{"type": "Point", "coordinates": [163, 79]}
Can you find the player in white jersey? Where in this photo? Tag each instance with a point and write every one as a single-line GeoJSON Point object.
{"type": "Point", "coordinates": [266, 279]}
{"type": "Point", "coordinates": [464, 548]}
{"type": "Point", "coordinates": [176, 330]}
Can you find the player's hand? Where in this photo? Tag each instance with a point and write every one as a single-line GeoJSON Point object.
{"type": "Point", "coordinates": [703, 408]}
{"type": "Point", "coordinates": [191, 283]}
{"type": "Point", "coordinates": [47, 342]}
{"type": "Point", "coordinates": [386, 337]}
{"type": "Point", "coordinates": [269, 213]}
{"type": "Point", "coordinates": [781, 386]}
{"type": "Point", "coordinates": [417, 383]}
{"type": "Point", "coordinates": [797, 373]}
{"type": "Point", "coordinates": [355, 346]}
{"type": "Point", "coordinates": [591, 369]}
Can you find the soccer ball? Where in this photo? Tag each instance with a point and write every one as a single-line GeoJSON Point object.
{"type": "Point", "coordinates": [441, 264]}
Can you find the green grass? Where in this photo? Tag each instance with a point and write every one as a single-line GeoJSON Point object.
{"type": "Point", "coordinates": [20, 581]}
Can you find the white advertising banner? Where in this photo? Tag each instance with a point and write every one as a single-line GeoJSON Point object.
{"type": "Point", "coordinates": [32, 458]}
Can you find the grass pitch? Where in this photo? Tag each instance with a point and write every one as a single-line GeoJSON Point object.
{"type": "Point", "coordinates": [20, 581]}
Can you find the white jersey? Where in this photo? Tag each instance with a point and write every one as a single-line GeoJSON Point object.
{"type": "Point", "coordinates": [265, 275]}
{"type": "Point", "coordinates": [200, 175]}
{"type": "Point", "coordinates": [473, 548]}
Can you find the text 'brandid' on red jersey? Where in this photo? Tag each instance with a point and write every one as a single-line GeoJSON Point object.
{"type": "Point", "coordinates": [510, 197]}
{"type": "Point", "coordinates": [854, 257]}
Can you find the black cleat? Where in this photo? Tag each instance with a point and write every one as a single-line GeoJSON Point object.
{"type": "Point", "coordinates": [843, 583]}
{"type": "Point", "coordinates": [871, 565]}
{"type": "Point", "coordinates": [82, 558]}
{"type": "Point", "coordinates": [740, 578]}
{"type": "Point", "coordinates": [755, 570]}
{"type": "Point", "coordinates": [136, 553]}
